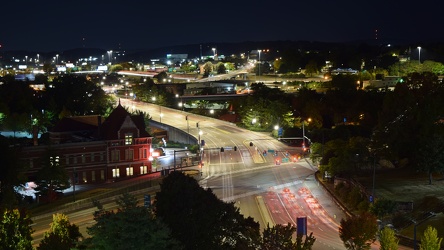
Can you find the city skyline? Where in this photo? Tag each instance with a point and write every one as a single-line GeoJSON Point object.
{"type": "Point", "coordinates": [134, 25]}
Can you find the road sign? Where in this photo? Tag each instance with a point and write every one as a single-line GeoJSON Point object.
{"type": "Point", "coordinates": [285, 160]}
{"type": "Point", "coordinates": [271, 151]}
{"type": "Point", "coordinates": [280, 131]}
{"type": "Point", "coordinates": [147, 200]}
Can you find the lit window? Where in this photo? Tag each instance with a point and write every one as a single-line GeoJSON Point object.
{"type": "Point", "coordinates": [116, 172]}
{"type": "Point", "coordinates": [129, 171]}
{"type": "Point", "coordinates": [143, 170]}
{"type": "Point", "coordinates": [128, 138]}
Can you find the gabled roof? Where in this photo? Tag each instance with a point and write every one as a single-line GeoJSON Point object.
{"type": "Point", "coordinates": [108, 130]}
{"type": "Point", "coordinates": [113, 123]}
{"type": "Point", "coordinates": [77, 123]}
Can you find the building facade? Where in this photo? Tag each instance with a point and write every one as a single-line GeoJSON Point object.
{"type": "Point", "coordinates": [93, 151]}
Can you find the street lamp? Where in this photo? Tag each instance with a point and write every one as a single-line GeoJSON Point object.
{"type": "Point", "coordinates": [200, 133]}
{"type": "Point", "coordinates": [188, 128]}
{"type": "Point", "coordinates": [57, 59]}
{"type": "Point", "coordinates": [259, 69]}
{"type": "Point", "coordinates": [214, 53]}
{"type": "Point", "coordinates": [303, 131]}
{"type": "Point", "coordinates": [110, 53]}
{"type": "Point", "coordinates": [419, 54]}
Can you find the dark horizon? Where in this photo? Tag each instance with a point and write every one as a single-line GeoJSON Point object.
{"type": "Point", "coordinates": [59, 26]}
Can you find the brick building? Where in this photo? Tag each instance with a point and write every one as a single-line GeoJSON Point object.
{"type": "Point", "coordinates": [93, 151]}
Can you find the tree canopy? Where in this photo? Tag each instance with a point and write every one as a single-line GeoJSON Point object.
{"type": "Point", "coordinates": [15, 230]}
{"type": "Point", "coordinates": [130, 227]}
{"type": "Point", "coordinates": [358, 232]}
{"type": "Point", "coordinates": [61, 234]}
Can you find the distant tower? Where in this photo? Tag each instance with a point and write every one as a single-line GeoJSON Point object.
{"type": "Point", "coordinates": [376, 34]}
{"type": "Point", "coordinates": [83, 42]}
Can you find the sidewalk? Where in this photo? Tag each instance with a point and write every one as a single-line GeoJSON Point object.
{"type": "Point", "coordinates": [332, 206]}
{"type": "Point", "coordinates": [324, 197]}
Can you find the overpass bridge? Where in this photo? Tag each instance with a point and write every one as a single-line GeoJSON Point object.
{"type": "Point", "coordinates": [185, 98]}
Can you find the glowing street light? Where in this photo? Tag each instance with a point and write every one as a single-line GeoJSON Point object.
{"type": "Point", "coordinates": [214, 53]}
{"type": "Point", "coordinates": [259, 51]}
{"type": "Point", "coordinates": [419, 54]}
{"type": "Point", "coordinates": [303, 132]}
{"type": "Point", "coordinates": [110, 54]}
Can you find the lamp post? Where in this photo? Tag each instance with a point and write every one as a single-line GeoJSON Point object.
{"type": "Point", "coordinates": [214, 53]}
{"type": "Point", "coordinates": [200, 144]}
{"type": "Point", "coordinates": [200, 150]}
{"type": "Point", "coordinates": [303, 132]}
{"type": "Point", "coordinates": [374, 174]}
{"type": "Point", "coordinates": [430, 215]}
{"type": "Point", "coordinates": [74, 184]}
{"type": "Point", "coordinates": [259, 69]}
{"type": "Point", "coordinates": [110, 54]}
{"type": "Point", "coordinates": [419, 54]}
{"type": "Point", "coordinates": [188, 128]}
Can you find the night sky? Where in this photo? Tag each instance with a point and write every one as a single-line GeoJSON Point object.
{"type": "Point", "coordinates": [59, 25]}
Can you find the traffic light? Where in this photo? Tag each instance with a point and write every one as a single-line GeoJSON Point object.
{"type": "Point", "coordinates": [251, 144]}
{"type": "Point", "coordinates": [235, 148]}
{"type": "Point", "coordinates": [222, 149]}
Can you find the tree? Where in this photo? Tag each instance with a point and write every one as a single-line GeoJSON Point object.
{"type": "Point", "coordinates": [431, 156]}
{"type": "Point", "coordinates": [387, 239]}
{"type": "Point", "coordinates": [15, 230]}
{"type": "Point", "coordinates": [430, 240]}
{"type": "Point", "coordinates": [199, 220]}
{"type": "Point", "coordinates": [61, 234]}
{"type": "Point", "coordinates": [311, 68]}
{"type": "Point", "coordinates": [52, 177]}
{"type": "Point", "coordinates": [12, 174]}
{"type": "Point", "coordinates": [280, 237]}
{"type": "Point", "coordinates": [161, 77]}
{"type": "Point", "coordinates": [208, 67]}
{"type": "Point", "coordinates": [131, 227]}
{"type": "Point", "coordinates": [383, 207]}
{"type": "Point", "coordinates": [276, 65]}
{"type": "Point", "coordinates": [76, 94]}
{"type": "Point", "coordinates": [221, 69]}
{"type": "Point", "coordinates": [358, 232]}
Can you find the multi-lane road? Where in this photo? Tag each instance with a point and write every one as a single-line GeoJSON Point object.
{"type": "Point", "coordinates": [271, 193]}
{"type": "Point", "coordinates": [263, 187]}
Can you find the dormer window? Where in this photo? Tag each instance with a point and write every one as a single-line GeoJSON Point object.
{"type": "Point", "coordinates": [128, 138]}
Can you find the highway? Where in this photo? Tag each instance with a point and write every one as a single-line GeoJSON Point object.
{"type": "Point", "coordinates": [262, 186]}
{"type": "Point", "coordinates": [249, 179]}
